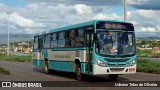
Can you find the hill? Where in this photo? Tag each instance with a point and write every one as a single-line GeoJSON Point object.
{"type": "Point", "coordinates": [148, 38]}
{"type": "Point", "coordinates": [29, 37]}
{"type": "Point", "coordinates": [15, 38]}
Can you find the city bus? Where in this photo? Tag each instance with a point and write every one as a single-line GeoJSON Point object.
{"type": "Point", "coordinates": [97, 47]}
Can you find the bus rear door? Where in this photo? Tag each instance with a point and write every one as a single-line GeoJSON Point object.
{"type": "Point", "coordinates": [40, 46]}
{"type": "Point", "coordinates": [89, 46]}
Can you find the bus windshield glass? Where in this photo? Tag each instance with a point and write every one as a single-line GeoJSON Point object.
{"type": "Point", "coordinates": [115, 43]}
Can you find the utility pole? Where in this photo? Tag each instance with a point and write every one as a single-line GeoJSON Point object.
{"type": "Point", "coordinates": [125, 10]}
{"type": "Point", "coordinates": [8, 13]}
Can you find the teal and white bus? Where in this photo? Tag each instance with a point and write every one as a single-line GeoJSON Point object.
{"type": "Point", "coordinates": [98, 47]}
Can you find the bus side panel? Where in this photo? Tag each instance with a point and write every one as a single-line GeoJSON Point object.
{"type": "Point", "coordinates": [38, 63]}
{"type": "Point", "coordinates": [61, 66]}
{"type": "Point", "coordinates": [65, 66]}
{"type": "Point", "coordinates": [36, 59]}
{"type": "Point", "coordinates": [84, 67]}
{"type": "Point", "coordinates": [64, 60]}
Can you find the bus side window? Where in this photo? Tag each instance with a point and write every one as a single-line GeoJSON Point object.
{"type": "Point", "coordinates": [72, 36]}
{"type": "Point", "coordinates": [53, 42]}
{"type": "Point", "coordinates": [40, 43]}
{"type": "Point", "coordinates": [47, 41]}
{"type": "Point", "coordinates": [68, 39]}
{"type": "Point", "coordinates": [79, 37]}
{"type": "Point", "coordinates": [61, 39]}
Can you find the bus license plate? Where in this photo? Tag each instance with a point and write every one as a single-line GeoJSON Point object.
{"type": "Point", "coordinates": [131, 69]}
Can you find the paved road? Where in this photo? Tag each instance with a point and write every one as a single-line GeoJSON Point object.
{"type": "Point", "coordinates": [21, 71]}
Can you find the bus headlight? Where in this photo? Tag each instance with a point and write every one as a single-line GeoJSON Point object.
{"type": "Point", "coordinates": [100, 63]}
{"type": "Point", "coordinates": [133, 62]}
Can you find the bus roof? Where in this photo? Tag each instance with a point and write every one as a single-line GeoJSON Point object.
{"type": "Point", "coordinates": [75, 26]}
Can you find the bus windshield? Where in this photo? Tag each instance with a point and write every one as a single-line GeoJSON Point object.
{"type": "Point", "coordinates": [115, 43]}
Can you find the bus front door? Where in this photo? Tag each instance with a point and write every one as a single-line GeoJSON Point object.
{"type": "Point", "coordinates": [89, 39]}
{"type": "Point", "coordinates": [40, 50]}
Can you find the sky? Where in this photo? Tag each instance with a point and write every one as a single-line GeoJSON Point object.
{"type": "Point", "coordinates": [33, 16]}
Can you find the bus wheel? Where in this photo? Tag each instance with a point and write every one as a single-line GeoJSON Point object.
{"type": "Point", "coordinates": [46, 69]}
{"type": "Point", "coordinates": [113, 77]}
{"type": "Point", "coordinates": [78, 72]}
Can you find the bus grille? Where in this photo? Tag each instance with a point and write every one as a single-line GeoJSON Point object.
{"type": "Point", "coordinates": [116, 69]}
{"type": "Point", "coordinates": [116, 65]}
{"type": "Point", "coordinates": [116, 60]}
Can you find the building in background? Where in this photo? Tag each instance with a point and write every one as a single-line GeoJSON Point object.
{"type": "Point", "coordinates": [155, 50]}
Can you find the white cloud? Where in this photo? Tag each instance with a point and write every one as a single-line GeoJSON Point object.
{"type": "Point", "coordinates": [145, 20]}
{"type": "Point", "coordinates": [21, 21]}
{"type": "Point", "coordinates": [82, 9]}
{"type": "Point", "coordinates": [53, 16]}
{"type": "Point", "coordinates": [34, 6]}
{"type": "Point", "coordinates": [147, 13]}
{"type": "Point", "coordinates": [43, 16]}
{"type": "Point", "coordinates": [2, 5]}
{"type": "Point", "coordinates": [147, 29]}
{"type": "Point", "coordinates": [145, 4]}
{"type": "Point", "coordinates": [16, 19]}
{"type": "Point", "coordinates": [17, 22]}
{"type": "Point", "coordinates": [87, 2]}
{"type": "Point", "coordinates": [137, 1]}
{"type": "Point", "coordinates": [113, 16]}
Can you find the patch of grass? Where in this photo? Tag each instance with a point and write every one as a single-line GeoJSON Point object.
{"type": "Point", "coordinates": [148, 66]}
{"type": "Point", "coordinates": [4, 71]}
{"type": "Point", "coordinates": [15, 58]}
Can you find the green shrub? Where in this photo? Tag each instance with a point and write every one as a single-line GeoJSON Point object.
{"type": "Point", "coordinates": [148, 66]}
{"type": "Point", "coordinates": [16, 58]}
{"type": "Point", "coordinates": [4, 71]}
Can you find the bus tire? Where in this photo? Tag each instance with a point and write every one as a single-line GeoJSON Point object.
{"type": "Point", "coordinates": [78, 73]}
{"type": "Point", "coordinates": [46, 68]}
{"type": "Point", "coordinates": [113, 76]}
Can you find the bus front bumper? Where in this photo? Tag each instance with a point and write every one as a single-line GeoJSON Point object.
{"type": "Point", "coordinates": [98, 70]}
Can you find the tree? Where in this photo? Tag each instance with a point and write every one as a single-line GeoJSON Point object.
{"type": "Point", "coordinates": [143, 42]}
